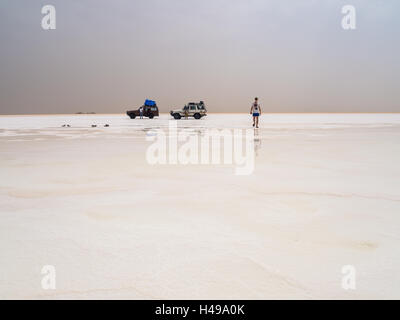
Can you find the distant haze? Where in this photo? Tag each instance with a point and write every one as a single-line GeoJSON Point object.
{"type": "Point", "coordinates": [109, 56]}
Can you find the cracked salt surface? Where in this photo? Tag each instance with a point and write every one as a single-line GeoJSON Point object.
{"type": "Point", "coordinates": [324, 194]}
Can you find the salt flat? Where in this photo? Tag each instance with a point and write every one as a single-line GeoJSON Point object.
{"type": "Point", "coordinates": [325, 193]}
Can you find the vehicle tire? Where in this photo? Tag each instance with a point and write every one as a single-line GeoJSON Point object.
{"type": "Point", "coordinates": [177, 116]}
{"type": "Point", "coordinates": [132, 116]}
{"type": "Point", "coordinates": [197, 116]}
{"type": "Point", "coordinates": [151, 116]}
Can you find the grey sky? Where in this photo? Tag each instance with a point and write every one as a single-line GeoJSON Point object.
{"type": "Point", "coordinates": [108, 56]}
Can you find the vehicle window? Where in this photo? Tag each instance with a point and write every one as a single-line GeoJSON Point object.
{"type": "Point", "coordinates": [153, 109]}
{"type": "Point", "coordinates": [192, 107]}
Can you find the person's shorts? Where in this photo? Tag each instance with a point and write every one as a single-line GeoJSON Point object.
{"type": "Point", "coordinates": [256, 114]}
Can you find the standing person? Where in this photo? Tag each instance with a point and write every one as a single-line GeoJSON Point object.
{"type": "Point", "coordinates": [255, 111]}
{"type": "Point", "coordinates": [141, 112]}
{"type": "Point", "coordinates": [186, 112]}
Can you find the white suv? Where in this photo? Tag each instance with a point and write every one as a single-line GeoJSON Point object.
{"type": "Point", "coordinates": [195, 110]}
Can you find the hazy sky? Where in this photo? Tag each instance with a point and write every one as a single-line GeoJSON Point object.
{"type": "Point", "coordinates": [108, 56]}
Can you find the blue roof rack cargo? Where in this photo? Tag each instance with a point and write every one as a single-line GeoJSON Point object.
{"type": "Point", "coordinates": [149, 103]}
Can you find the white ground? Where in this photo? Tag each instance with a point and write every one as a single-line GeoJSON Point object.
{"type": "Point", "coordinates": [325, 193]}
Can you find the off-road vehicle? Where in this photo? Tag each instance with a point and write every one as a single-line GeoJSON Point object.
{"type": "Point", "coordinates": [192, 109]}
{"type": "Point", "coordinates": [150, 110]}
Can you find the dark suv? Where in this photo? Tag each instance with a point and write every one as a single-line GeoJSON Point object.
{"type": "Point", "coordinates": [150, 110]}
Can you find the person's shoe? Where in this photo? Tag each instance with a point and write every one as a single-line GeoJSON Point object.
{"type": "Point", "coordinates": [257, 127]}
{"type": "Point", "coordinates": [253, 124]}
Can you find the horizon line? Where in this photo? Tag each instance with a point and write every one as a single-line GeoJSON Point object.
{"type": "Point", "coordinates": [94, 114]}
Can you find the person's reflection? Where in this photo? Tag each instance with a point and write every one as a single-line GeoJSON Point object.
{"type": "Point", "coordinates": [257, 142]}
